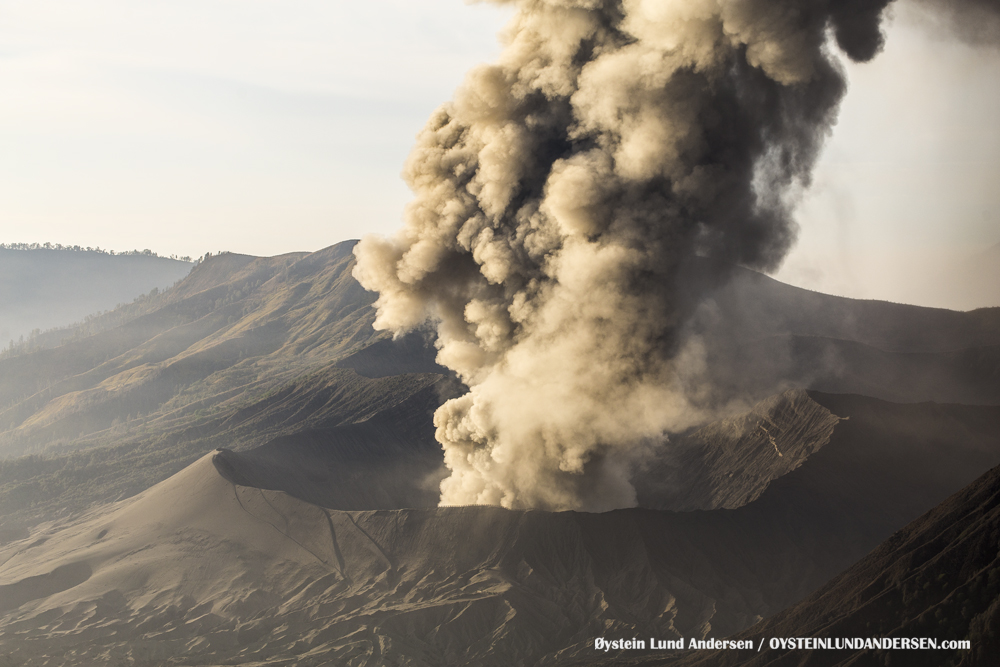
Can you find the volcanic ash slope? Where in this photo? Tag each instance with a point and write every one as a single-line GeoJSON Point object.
{"type": "Point", "coordinates": [205, 570]}
{"type": "Point", "coordinates": [199, 571]}
{"type": "Point", "coordinates": [194, 553]}
{"type": "Point", "coordinates": [938, 578]}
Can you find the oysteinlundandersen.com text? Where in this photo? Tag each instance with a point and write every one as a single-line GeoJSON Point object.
{"type": "Point", "coordinates": [784, 643]}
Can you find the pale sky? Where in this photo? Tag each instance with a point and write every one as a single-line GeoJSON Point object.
{"type": "Point", "coordinates": [264, 127]}
{"type": "Point", "coordinates": [187, 126]}
{"type": "Point", "coordinates": [908, 186]}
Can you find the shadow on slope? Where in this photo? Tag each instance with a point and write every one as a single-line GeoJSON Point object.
{"type": "Point", "coordinates": [322, 436]}
{"type": "Point", "coordinates": [387, 461]}
{"type": "Point", "coordinates": [411, 353]}
{"type": "Point", "coordinates": [937, 578]}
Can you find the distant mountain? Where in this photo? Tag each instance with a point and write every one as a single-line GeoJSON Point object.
{"type": "Point", "coordinates": [762, 336]}
{"type": "Point", "coordinates": [44, 288]}
{"type": "Point", "coordinates": [244, 351]}
{"type": "Point", "coordinates": [761, 306]}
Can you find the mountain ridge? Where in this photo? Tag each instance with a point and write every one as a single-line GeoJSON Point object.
{"type": "Point", "coordinates": [166, 379]}
{"type": "Point", "coordinates": [45, 288]}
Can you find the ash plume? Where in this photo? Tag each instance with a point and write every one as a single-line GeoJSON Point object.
{"type": "Point", "coordinates": [976, 22]}
{"type": "Point", "coordinates": [561, 199]}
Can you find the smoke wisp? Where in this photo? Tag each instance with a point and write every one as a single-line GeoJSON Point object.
{"type": "Point", "coordinates": [562, 197]}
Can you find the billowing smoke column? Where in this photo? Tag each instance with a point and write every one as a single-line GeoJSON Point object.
{"type": "Point", "coordinates": [560, 195]}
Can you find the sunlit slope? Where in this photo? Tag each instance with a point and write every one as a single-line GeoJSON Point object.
{"type": "Point", "coordinates": [191, 552]}
{"type": "Point", "coordinates": [242, 352]}
{"type": "Point", "coordinates": [269, 313]}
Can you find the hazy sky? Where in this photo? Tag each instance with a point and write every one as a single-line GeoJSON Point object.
{"type": "Point", "coordinates": [248, 125]}
{"type": "Point", "coordinates": [909, 184]}
{"type": "Point", "coordinates": [264, 127]}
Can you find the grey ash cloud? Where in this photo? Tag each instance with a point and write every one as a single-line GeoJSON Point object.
{"type": "Point", "coordinates": [561, 196]}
